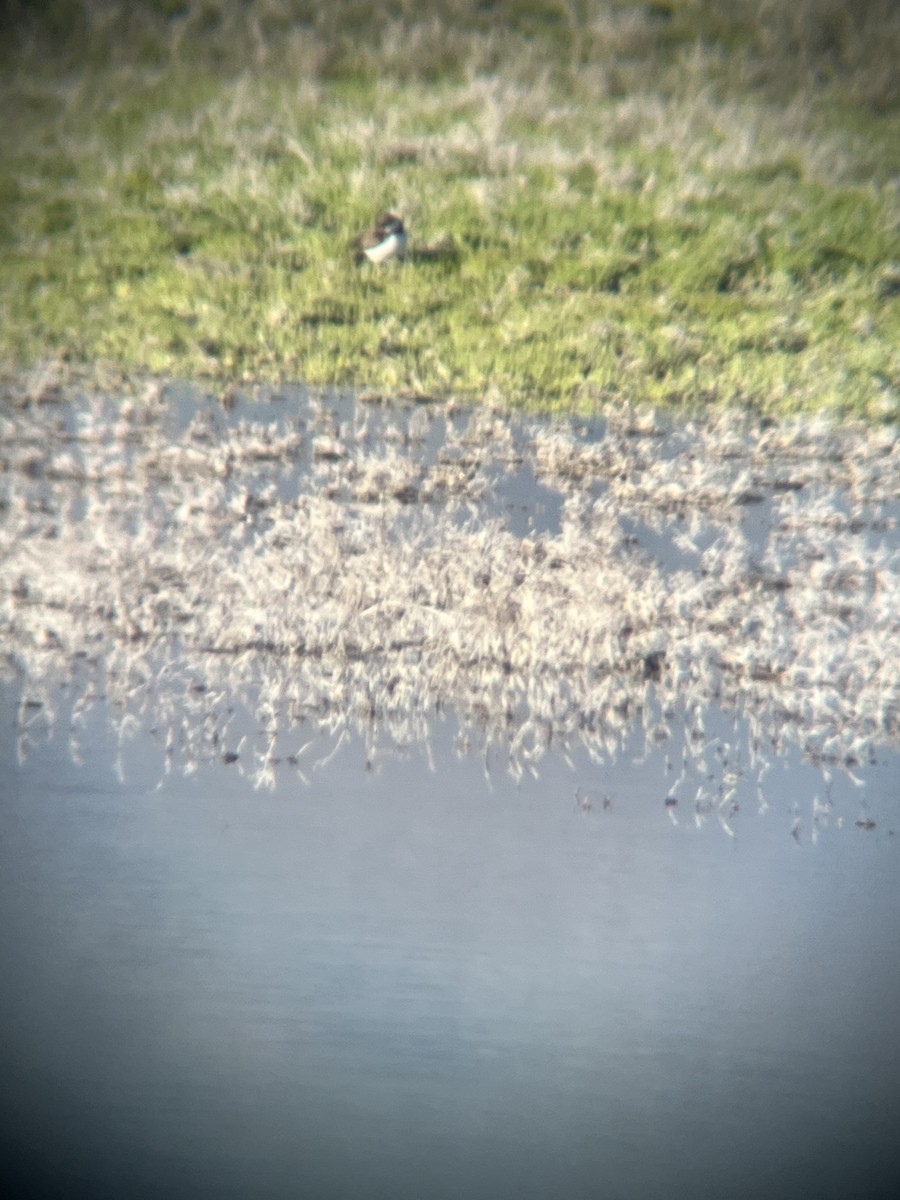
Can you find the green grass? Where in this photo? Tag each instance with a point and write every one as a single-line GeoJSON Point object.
{"type": "Point", "coordinates": [670, 203]}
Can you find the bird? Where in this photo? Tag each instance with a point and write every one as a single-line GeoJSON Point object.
{"type": "Point", "coordinates": [386, 240]}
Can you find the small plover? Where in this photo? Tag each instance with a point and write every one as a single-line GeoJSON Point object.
{"type": "Point", "coordinates": [385, 241]}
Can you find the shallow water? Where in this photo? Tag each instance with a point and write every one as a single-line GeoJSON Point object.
{"type": "Point", "coordinates": [254, 946]}
{"type": "Point", "coordinates": [410, 983]}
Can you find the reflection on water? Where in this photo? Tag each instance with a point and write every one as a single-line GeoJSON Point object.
{"type": "Point", "coordinates": [498, 679]}
{"type": "Point", "coordinates": [248, 581]}
{"type": "Point", "coordinates": [404, 983]}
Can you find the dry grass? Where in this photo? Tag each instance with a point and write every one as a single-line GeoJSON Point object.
{"type": "Point", "coordinates": [329, 582]}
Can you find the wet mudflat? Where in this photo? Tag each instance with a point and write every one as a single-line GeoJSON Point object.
{"type": "Point", "coordinates": [417, 802]}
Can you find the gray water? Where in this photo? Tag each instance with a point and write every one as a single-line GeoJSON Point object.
{"type": "Point", "coordinates": [417, 984]}
{"type": "Point", "coordinates": [648, 951]}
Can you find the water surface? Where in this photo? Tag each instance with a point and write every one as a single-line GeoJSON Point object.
{"type": "Point", "coordinates": [627, 930]}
